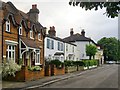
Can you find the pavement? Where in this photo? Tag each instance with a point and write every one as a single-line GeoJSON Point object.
{"type": "Point", "coordinates": [40, 82]}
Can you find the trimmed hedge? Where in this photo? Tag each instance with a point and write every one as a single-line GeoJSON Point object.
{"type": "Point", "coordinates": [84, 63]}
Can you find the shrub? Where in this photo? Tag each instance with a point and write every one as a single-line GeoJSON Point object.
{"type": "Point", "coordinates": [68, 63]}
{"type": "Point", "coordinates": [10, 68]}
{"type": "Point", "coordinates": [90, 62]}
{"type": "Point", "coordinates": [34, 68]}
{"type": "Point", "coordinates": [78, 63]}
{"type": "Point", "coordinates": [57, 63]}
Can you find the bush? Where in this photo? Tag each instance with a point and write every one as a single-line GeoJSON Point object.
{"type": "Point", "coordinates": [10, 68]}
{"type": "Point", "coordinates": [78, 63]}
{"type": "Point", "coordinates": [90, 62]}
{"type": "Point", "coordinates": [68, 63]}
{"type": "Point", "coordinates": [57, 63]}
{"type": "Point", "coordinates": [34, 68]}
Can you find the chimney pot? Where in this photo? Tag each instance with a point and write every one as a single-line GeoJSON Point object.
{"type": "Point", "coordinates": [71, 32]}
{"type": "Point", "coordinates": [34, 6]}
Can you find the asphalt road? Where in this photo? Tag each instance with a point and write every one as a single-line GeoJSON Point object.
{"type": "Point", "coordinates": [102, 77]}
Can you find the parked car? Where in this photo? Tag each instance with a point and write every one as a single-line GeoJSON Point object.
{"type": "Point", "coordinates": [110, 62]}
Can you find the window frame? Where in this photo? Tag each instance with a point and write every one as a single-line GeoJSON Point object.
{"type": "Point", "coordinates": [31, 35]}
{"type": "Point", "coordinates": [20, 29]}
{"type": "Point", "coordinates": [39, 36]}
{"type": "Point", "coordinates": [8, 25]}
{"type": "Point", "coordinates": [11, 51]}
{"type": "Point", "coordinates": [37, 59]}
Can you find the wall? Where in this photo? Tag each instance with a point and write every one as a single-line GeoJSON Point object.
{"type": "Point", "coordinates": [81, 46]}
{"type": "Point", "coordinates": [70, 51]}
{"type": "Point", "coordinates": [12, 36]}
{"type": "Point", "coordinates": [26, 75]}
{"type": "Point", "coordinates": [51, 51]}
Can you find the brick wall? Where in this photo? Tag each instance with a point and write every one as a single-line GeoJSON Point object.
{"type": "Point", "coordinates": [26, 75]}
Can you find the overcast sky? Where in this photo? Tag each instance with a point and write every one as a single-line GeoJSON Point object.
{"type": "Point", "coordinates": [63, 16]}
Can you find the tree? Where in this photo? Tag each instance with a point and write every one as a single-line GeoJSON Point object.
{"type": "Point", "coordinates": [91, 50]}
{"type": "Point", "coordinates": [112, 8]}
{"type": "Point", "coordinates": [110, 48]}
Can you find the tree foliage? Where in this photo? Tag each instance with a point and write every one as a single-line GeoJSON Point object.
{"type": "Point", "coordinates": [110, 46]}
{"type": "Point", "coordinates": [112, 8]}
{"type": "Point", "coordinates": [91, 50]}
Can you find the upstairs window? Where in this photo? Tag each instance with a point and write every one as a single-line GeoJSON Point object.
{"type": "Point", "coordinates": [48, 43]}
{"type": "Point", "coordinates": [8, 25]}
{"type": "Point", "coordinates": [52, 44]}
{"type": "Point", "coordinates": [31, 34]}
{"type": "Point", "coordinates": [39, 36]}
{"type": "Point", "coordinates": [61, 46]}
{"type": "Point", "coordinates": [20, 30]}
{"type": "Point", "coordinates": [73, 49]}
{"type": "Point", "coordinates": [58, 45]}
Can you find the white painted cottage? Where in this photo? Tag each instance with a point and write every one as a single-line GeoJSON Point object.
{"type": "Point", "coordinates": [81, 41]}
{"type": "Point", "coordinates": [57, 48]}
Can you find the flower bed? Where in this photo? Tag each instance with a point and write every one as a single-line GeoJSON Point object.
{"type": "Point", "coordinates": [26, 75]}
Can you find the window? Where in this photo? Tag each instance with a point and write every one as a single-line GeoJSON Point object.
{"type": "Point", "coordinates": [52, 44]}
{"type": "Point", "coordinates": [20, 30]}
{"type": "Point", "coordinates": [48, 43]}
{"type": "Point", "coordinates": [31, 34]}
{"type": "Point", "coordinates": [11, 52]}
{"type": "Point", "coordinates": [58, 45]}
{"type": "Point", "coordinates": [8, 25]}
{"type": "Point", "coordinates": [37, 60]}
{"type": "Point", "coordinates": [38, 36]}
{"type": "Point", "coordinates": [66, 47]}
{"type": "Point", "coordinates": [61, 46]}
{"type": "Point", "coordinates": [73, 49]}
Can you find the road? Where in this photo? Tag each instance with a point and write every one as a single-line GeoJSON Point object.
{"type": "Point", "coordinates": [102, 77]}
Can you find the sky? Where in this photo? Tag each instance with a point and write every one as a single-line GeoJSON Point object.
{"type": "Point", "coordinates": [63, 16]}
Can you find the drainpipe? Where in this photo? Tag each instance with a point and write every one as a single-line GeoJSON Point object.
{"type": "Point", "coordinates": [2, 42]}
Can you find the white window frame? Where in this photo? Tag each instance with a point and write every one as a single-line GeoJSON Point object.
{"type": "Point", "coordinates": [8, 25]}
{"type": "Point", "coordinates": [20, 30]}
{"type": "Point", "coordinates": [31, 34]}
{"type": "Point", "coordinates": [12, 50]}
{"type": "Point", "coordinates": [39, 36]}
{"type": "Point", "coordinates": [37, 59]}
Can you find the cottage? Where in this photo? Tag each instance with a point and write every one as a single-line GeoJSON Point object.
{"type": "Point", "coordinates": [81, 41]}
{"type": "Point", "coordinates": [22, 36]}
{"type": "Point", "coordinates": [57, 48]}
{"type": "Point", "coordinates": [54, 46]}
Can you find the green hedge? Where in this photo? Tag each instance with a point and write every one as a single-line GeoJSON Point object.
{"type": "Point", "coordinates": [56, 62]}
{"type": "Point", "coordinates": [85, 63]}
{"type": "Point", "coordinates": [90, 62]}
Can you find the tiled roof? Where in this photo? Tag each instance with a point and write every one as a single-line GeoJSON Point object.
{"type": "Point", "coordinates": [18, 15]}
{"type": "Point", "coordinates": [77, 37]}
{"type": "Point", "coordinates": [59, 39]}
{"type": "Point", "coordinates": [30, 43]}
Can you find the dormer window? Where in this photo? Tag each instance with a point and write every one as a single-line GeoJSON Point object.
{"type": "Point", "coordinates": [20, 30]}
{"type": "Point", "coordinates": [8, 25]}
{"type": "Point", "coordinates": [31, 34]}
{"type": "Point", "coordinates": [39, 36]}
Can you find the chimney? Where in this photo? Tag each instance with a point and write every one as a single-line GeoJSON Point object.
{"type": "Point", "coordinates": [83, 32]}
{"type": "Point", "coordinates": [52, 31]}
{"type": "Point", "coordinates": [71, 32]}
{"type": "Point", "coordinates": [33, 13]}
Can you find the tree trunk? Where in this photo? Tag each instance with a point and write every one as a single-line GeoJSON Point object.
{"type": "Point", "coordinates": [90, 57]}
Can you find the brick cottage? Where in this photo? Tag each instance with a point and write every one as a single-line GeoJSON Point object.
{"type": "Point", "coordinates": [22, 39]}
